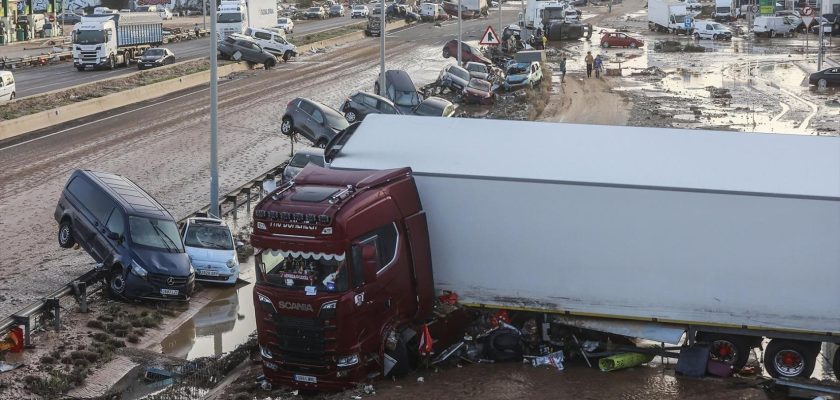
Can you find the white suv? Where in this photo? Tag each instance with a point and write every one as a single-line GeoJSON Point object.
{"type": "Point", "coordinates": [273, 40]}
{"type": "Point", "coordinates": [359, 11]}
{"type": "Point", "coordinates": [212, 251]}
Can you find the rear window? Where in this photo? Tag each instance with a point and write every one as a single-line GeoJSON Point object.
{"type": "Point", "coordinates": [463, 74]}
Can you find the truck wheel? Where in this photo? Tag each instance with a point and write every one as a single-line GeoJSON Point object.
{"type": "Point", "coordinates": [116, 283]}
{"type": "Point", "coordinates": [790, 359]}
{"type": "Point", "coordinates": [696, 36]}
{"type": "Point", "coordinates": [446, 53]}
{"type": "Point", "coordinates": [731, 349]}
{"type": "Point", "coordinates": [287, 55]}
{"type": "Point", "coordinates": [286, 126]}
{"type": "Point", "coordinates": [112, 64]}
{"type": "Point", "coordinates": [65, 235]}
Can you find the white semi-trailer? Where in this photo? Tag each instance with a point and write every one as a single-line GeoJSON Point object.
{"type": "Point", "coordinates": [238, 15]}
{"type": "Point", "coordinates": [730, 237]}
{"type": "Point", "coordinates": [113, 39]}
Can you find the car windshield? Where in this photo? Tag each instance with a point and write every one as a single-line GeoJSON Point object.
{"type": "Point", "coordinates": [229, 17]}
{"type": "Point", "coordinates": [460, 73]}
{"type": "Point", "coordinates": [406, 98]}
{"type": "Point", "coordinates": [155, 233]}
{"type": "Point", "coordinates": [302, 271]}
{"type": "Point", "coordinates": [89, 37]}
{"type": "Point", "coordinates": [301, 159]}
{"type": "Point", "coordinates": [205, 236]}
{"type": "Point", "coordinates": [518, 69]}
{"type": "Point", "coordinates": [155, 52]}
{"type": "Point", "coordinates": [480, 85]}
{"type": "Point", "coordinates": [282, 21]}
{"type": "Point", "coordinates": [717, 27]}
{"type": "Point", "coordinates": [477, 67]}
{"type": "Point", "coordinates": [336, 120]}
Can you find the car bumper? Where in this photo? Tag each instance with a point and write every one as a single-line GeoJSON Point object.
{"type": "Point", "coordinates": [222, 275]}
{"type": "Point", "coordinates": [148, 64]}
{"type": "Point", "coordinates": [140, 288]}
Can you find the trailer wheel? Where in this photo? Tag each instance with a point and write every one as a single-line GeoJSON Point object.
{"type": "Point", "coordinates": [731, 349]}
{"type": "Point", "coordinates": [112, 64]}
{"type": "Point", "coordinates": [790, 358]}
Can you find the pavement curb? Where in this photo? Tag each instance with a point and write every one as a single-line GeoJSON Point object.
{"type": "Point", "coordinates": [45, 119]}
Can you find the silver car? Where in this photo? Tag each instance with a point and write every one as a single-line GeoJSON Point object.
{"type": "Point", "coordinates": [301, 159]}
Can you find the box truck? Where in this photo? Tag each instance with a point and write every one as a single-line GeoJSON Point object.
{"type": "Point", "coordinates": [668, 16]}
{"type": "Point", "coordinates": [469, 8]}
{"type": "Point", "coordinates": [662, 234]}
{"type": "Point", "coordinates": [725, 11]}
{"type": "Point", "coordinates": [114, 39]}
{"type": "Point", "coordinates": [237, 16]}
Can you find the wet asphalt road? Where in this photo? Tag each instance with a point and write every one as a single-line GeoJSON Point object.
{"type": "Point", "coordinates": [58, 76]}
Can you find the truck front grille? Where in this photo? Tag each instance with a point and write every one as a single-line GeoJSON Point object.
{"type": "Point", "coordinates": [89, 56]}
{"type": "Point", "coordinates": [301, 340]}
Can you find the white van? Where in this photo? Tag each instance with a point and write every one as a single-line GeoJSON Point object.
{"type": "Point", "coordinates": [711, 30]}
{"type": "Point", "coordinates": [7, 86]}
{"type": "Point", "coordinates": [273, 40]}
{"type": "Point", "coordinates": [771, 26]}
{"type": "Point", "coordinates": [428, 12]}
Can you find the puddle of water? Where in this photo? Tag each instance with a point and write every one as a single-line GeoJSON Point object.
{"type": "Point", "coordinates": [221, 325]}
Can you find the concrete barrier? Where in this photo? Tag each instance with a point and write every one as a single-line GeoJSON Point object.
{"type": "Point", "coordinates": [60, 115]}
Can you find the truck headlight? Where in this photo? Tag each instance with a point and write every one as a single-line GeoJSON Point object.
{"type": "Point", "coordinates": [231, 263]}
{"type": "Point", "coordinates": [265, 352]}
{"type": "Point", "coordinates": [261, 225]}
{"type": "Point", "coordinates": [347, 361]}
{"type": "Point", "coordinates": [266, 303]}
{"type": "Point", "coordinates": [136, 269]}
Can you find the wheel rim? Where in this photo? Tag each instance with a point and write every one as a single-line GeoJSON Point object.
{"type": "Point", "coordinates": [789, 363]}
{"type": "Point", "coordinates": [117, 283]}
{"type": "Point", "coordinates": [321, 144]}
{"type": "Point", "coordinates": [286, 126]}
{"type": "Point", "coordinates": [64, 234]}
{"type": "Point", "coordinates": [822, 82]}
{"type": "Point", "coordinates": [724, 350]}
{"type": "Point", "coordinates": [350, 116]}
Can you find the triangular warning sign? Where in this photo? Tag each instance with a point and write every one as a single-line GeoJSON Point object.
{"type": "Point", "coordinates": [489, 38]}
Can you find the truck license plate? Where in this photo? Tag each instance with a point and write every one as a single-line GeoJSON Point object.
{"type": "Point", "coordinates": [306, 378]}
{"type": "Point", "coordinates": [171, 292]}
{"type": "Point", "coordinates": [208, 272]}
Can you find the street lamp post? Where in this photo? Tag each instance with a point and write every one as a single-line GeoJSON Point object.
{"type": "Point", "coordinates": [460, 32]}
{"type": "Point", "coordinates": [382, 50]}
{"type": "Point", "coordinates": [214, 103]}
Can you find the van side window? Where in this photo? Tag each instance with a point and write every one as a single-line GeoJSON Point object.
{"type": "Point", "coordinates": [116, 222]}
{"type": "Point", "coordinates": [262, 35]}
{"type": "Point", "coordinates": [91, 197]}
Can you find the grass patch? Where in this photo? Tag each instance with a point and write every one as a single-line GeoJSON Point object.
{"type": "Point", "coordinates": [328, 34]}
{"type": "Point", "coordinates": [96, 324]}
{"type": "Point", "coordinates": [132, 338]}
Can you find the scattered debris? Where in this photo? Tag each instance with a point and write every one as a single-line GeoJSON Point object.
{"type": "Point", "coordinates": [719, 93]}
{"type": "Point", "coordinates": [554, 359]}
{"type": "Point", "coordinates": [623, 360]}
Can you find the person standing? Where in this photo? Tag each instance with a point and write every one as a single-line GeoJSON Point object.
{"type": "Point", "coordinates": [599, 63]}
{"type": "Point", "coordinates": [563, 69]}
{"type": "Point", "coordinates": [196, 30]}
{"type": "Point", "coordinates": [589, 61]}
{"type": "Point", "coordinates": [544, 41]}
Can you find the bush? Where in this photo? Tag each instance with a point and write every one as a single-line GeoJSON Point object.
{"type": "Point", "coordinates": [132, 338]}
{"type": "Point", "coordinates": [96, 324]}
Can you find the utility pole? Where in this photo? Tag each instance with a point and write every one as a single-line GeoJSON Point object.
{"type": "Point", "coordinates": [460, 32]}
{"type": "Point", "coordinates": [204, 13]}
{"type": "Point", "coordinates": [214, 114]}
{"type": "Point", "coordinates": [382, 50]}
{"type": "Point", "coordinates": [821, 47]}
{"type": "Point", "coordinates": [501, 27]}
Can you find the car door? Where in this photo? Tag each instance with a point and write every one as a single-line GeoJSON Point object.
{"type": "Point", "coordinates": [318, 125]}
{"type": "Point", "coordinates": [368, 105]}
{"type": "Point", "coordinates": [622, 40]}
{"type": "Point", "coordinates": [303, 121]}
{"type": "Point", "coordinates": [107, 247]}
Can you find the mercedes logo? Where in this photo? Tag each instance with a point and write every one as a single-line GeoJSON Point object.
{"type": "Point", "coordinates": [170, 281]}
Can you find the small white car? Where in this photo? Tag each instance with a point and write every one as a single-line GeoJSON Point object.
{"type": "Point", "coordinates": [286, 24]}
{"type": "Point", "coordinates": [7, 86]}
{"type": "Point", "coordinates": [693, 5]}
{"type": "Point", "coordinates": [165, 13]}
{"type": "Point", "coordinates": [212, 251]}
{"type": "Point", "coordinates": [359, 11]}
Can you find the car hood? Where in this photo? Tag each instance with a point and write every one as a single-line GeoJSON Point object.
{"type": "Point", "coordinates": [151, 58]}
{"type": "Point", "coordinates": [161, 262]}
{"type": "Point", "coordinates": [198, 255]}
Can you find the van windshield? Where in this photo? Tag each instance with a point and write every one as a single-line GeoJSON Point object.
{"type": "Point", "coordinates": [229, 17]}
{"type": "Point", "coordinates": [156, 233]}
{"type": "Point", "coordinates": [89, 37]}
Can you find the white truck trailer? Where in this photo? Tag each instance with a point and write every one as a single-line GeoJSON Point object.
{"type": "Point", "coordinates": [668, 16]}
{"type": "Point", "coordinates": [644, 232]}
{"type": "Point", "coordinates": [469, 8]}
{"type": "Point", "coordinates": [237, 16]}
{"type": "Point", "coordinates": [114, 39]}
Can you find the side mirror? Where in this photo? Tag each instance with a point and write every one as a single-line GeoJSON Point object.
{"type": "Point", "coordinates": [114, 236]}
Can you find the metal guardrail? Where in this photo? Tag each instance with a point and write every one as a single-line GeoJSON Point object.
{"type": "Point", "coordinates": [58, 56]}
{"type": "Point", "coordinates": [28, 317]}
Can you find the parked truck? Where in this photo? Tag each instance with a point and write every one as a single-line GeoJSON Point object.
{"type": "Point", "coordinates": [662, 234]}
{"type": "Point", "coordinates": [114, 39]}
{"type": "Point", "coordinates": [725, 11]}
{"type": "Point", "coordinates": [562, 22]}
{"type": "Point", "coordinates": [668, 16]}
{"type": "Point", "coordinates": [239, 15]}
{"type": "Point", "coordinates": [469, 8]}
{"type": "Point", "coordinates": [534, 12]}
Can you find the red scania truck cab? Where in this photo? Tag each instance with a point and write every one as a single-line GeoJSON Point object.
{"type": "Point", "coordinates": [343, 276]}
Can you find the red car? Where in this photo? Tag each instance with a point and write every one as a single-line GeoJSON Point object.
{"type": "Point", "coordinates": [618, 39]}
{"type": "Point", "coordinates": [478, 91]}
{"type": "Point", "coordinates": [468, 53]}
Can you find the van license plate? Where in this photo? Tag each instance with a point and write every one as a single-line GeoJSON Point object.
{"type": "Point", "coordinates": [171, 292]}
{"type": "Point", "coordinates": [208, 272]}
{"type": "Point", "coordinates": [306, 378]}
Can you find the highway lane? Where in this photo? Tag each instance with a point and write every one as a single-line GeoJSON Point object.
{"type": "Point", "coordinates": [58, 76]}
{"type": "Point", "coordinates": [163, 146]}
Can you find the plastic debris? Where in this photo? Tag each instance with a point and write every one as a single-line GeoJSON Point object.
{"type": "Point", "coordinates": [623, 360]}
{"type": "Point", "coordinates": [555, 359]}
{"type": "Point", "coordinates": [420, 379]}
{"type": "Point", "coordinates": [368, 389]}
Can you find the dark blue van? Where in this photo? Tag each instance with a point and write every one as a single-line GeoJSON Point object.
{"type": "Point", "coordinates": [128, 232]}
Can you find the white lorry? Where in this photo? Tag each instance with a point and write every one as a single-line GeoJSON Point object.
{"type": "Point", "coordinates": [668, 16]}
{"type": "Point", "coordinates": [237, 16]}
{"type": "Point", "coordinates": [533, 17]}
{"type": "Point", "coordinates": [114, 39]}
{"type": "Point", "coordinates": [664, 234]}
{"type": "Point", "coordinates": [725, 11]}
{"type": "Point", "coordinates": [469, 8]}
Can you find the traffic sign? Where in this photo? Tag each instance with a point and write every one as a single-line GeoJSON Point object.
{"type": "Point", "coordinates": [807, 11]}
{"type": "Point", "coordinates": [754, 8]}
{"type": "Point", "coordinates": [489, 38]}
{"type": "Point", "coordinates": [807, 21]}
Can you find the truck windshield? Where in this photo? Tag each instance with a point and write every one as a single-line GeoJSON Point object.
{"type": "Point", "coordinates": [305, 272]}
{"type": "Point", "coordinates": [155, 233]}
{"type": "Point", "coordinates": [723, 10]}
{"type": "Point", "coordinates": [229, 17]}
{"type": "Point", "coordinates": [89, 37]}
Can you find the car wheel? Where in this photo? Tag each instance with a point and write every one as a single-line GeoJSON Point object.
{"type": "Point", "coordinates": [116, 284]}
{"type": "Point", "coordinates": [822, 83]}
{"type": "Point", "coordinates": [350, 115]}
{"type": "Point", "coordinates": [696, 36]}
{"type": "Point", "coordinates": [286, 127]}
{"type": "Point", "coordinates": [321, 143]}
{"type": "Point", "coordinates": [605, 44]}
{"type": "Point", "coordinates": [287, 55]}
{"type": "Point", "coordinates": [446, 53]}
{"type": "Point", "coordinates": [376, 88]}
{"type": "Point", "coordinates": [771, 34]}
{"type": "Point", "coordinates": [269, 63]}
{"type": "Point", "coordinates": [65, 235]}
{"type": "Point", "coordinates": [12, 96]}
{"type": "Point", "coordinates": [633, 45]}
{"type": "Point", "coordinates": [715, 37]}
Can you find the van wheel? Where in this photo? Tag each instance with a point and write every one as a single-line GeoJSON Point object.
{"type": "Point", "coordinates": [715, 37]}
{"type": "Point", "coordinates": [269, 63]}
{"type": "Point", "coordinates": [771, 34]}
{"type": "Point", "coordinates": [696, 36]}
{"type": "Point", "coordinates": [65, 235]}
{"type": "Point", "coordinates": [287, 55]}
{"type": "Point", "coordinates": [790, 358]}
{"type": "Point", "coordinates": [116, 284]}
{"type": "Point", "coordinates": [12, 96]}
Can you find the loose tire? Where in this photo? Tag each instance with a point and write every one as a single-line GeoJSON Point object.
{"type": "Point", "coordinates": [350, 116]}
{"type": "Point", "coordinates": [446, 53]}
{"type": "Point", "coordinates": [65, 235]}
{"type": "Point", "coordinates": [731, 349]}
{"type": "Point", "coordinates": [771, 34]}
{"type": "Point", "coordinates": [286, 127]}
{"type": "Point", "coordinates": [790, 359]}
{"type": "Point", "coordinates": [116, 284]}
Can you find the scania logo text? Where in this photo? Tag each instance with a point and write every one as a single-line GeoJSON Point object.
{"type": "Point", "coordinates": [288, 305]}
